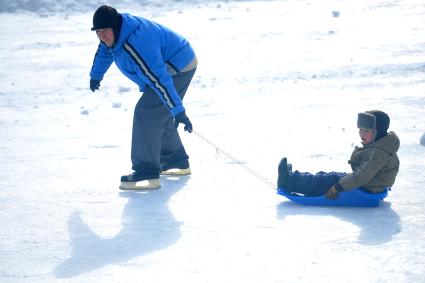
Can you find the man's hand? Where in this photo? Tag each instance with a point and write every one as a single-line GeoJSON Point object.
{"type": "Point", "coordinates": [182, 118]}
{"type": "Point", "coordinates": [94, 84]}
{"type": "Point", "coordinates": [332, 193]}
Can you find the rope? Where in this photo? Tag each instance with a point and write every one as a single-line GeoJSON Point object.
{"type": "Point", "coordinates": [228, 155]}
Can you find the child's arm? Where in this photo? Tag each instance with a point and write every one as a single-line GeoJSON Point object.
{"type": "Point", "coordinates": [372, 162]}
{"type": "Point", "coordinates": [332, 193]}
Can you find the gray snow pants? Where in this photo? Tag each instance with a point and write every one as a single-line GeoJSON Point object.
{"type": "Point", "coordinates": [155, 137]}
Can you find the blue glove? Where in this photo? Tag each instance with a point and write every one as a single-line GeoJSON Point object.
{"type": "Point", "coordinates": [182, 118]}
{"type": "Point", "coordinates": [94, 84]}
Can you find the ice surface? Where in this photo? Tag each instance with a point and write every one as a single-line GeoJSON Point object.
{"type": "Point", "coordinates": [275, 78]}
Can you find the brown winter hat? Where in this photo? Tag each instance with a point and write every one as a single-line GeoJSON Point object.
{"type": "Point", "coordinates": [376, 120]}
{"type": "Point", "coordinates": [366, 121]}
{"type": "Point", "coordinates": [382, 123]}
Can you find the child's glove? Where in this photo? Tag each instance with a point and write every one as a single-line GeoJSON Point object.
{"type": "Point", "coordinates": [332, 193]}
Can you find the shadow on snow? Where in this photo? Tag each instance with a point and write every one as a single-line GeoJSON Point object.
{"type": "Point", "coordinates": [377, 224]}
{"type": "Point", "coordinates": [148, 225]}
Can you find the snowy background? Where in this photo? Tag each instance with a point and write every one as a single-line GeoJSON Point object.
{"type": "Point", "coordinates": [275, 78]}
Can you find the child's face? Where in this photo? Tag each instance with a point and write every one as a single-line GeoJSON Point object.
{"type": "Point", "coordinates": [366, 135]}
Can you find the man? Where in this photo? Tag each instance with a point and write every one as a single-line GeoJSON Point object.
{"type": "Point", "coordinates": [162, 63]}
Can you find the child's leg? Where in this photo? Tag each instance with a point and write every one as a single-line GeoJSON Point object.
{"type": "Point", "coordinates": [283, 173]}
{"type": "Point", "coordinates": [312, 185]}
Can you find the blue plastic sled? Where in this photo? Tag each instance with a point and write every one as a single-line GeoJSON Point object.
{"type": "Point", "coordinates": [357, 198]}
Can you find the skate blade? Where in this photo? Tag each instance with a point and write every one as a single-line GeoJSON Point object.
{"type": "Point", "coordinates": [177, 172]}
{"type": "Point", "coordinates": [152, 184]}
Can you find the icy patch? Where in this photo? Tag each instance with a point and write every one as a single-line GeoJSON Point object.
{"type": "Point", "coordinates": [123, 89]}
{"type": "Point", "coordinates": [116, 105]}
{"type": "Point", "coordinates": [104, 146]}
{"type": "Point", "coordinates": [335, 14]}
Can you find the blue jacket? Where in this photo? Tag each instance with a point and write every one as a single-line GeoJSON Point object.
{"type": "Point", "coordinates": [145, 52]}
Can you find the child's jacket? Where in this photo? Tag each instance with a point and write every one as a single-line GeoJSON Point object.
{"type": "Point", "coordinates": [375, 166]}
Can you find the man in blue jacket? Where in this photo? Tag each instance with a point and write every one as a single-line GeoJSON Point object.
{"type": "Point", "coordinates": [162, 63]}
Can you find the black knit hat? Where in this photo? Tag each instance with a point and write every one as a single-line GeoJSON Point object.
{"type": "Point", "coordinates": [107, 17]}
{"type": "Point", "coordinates": [104, 17]}
{"type": "Point", "coordinates": [375, 120]}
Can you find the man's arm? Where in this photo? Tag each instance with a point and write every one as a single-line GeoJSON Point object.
{"type": "Point", "coordinates": [150, 67]}
{"type": "Point", "coordinates": [101, 63]}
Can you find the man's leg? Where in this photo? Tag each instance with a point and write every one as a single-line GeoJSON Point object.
{"type": "Point", "coordinates": [149, 115]}
{"type": "Point", "coordinates": [149, 118]}
{"type": "Point", "coordinates": [154, 134]}
{"type": "Point", "coordinates": [173, 153]}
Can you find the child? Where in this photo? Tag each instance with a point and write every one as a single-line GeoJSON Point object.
{"type": "Point", "coordinates": [375, 165]}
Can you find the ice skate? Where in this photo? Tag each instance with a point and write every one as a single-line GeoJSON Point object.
{"type": "Point", "coordinates": [151, 184]}
{"type": "Point", "coordinates": [177, 172]}
{"type": "Point", "coordinates": [176, 168]}
{"type": "Point", "coordinates": [136, 181]}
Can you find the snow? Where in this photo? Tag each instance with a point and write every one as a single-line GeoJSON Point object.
{"type": "Point", "coordinates": [276, 78]}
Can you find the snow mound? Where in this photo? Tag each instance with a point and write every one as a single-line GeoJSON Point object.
{"type": "Point", "coordinates": [45, 7]}
{"type": "Point", "coordinates": [422, 140]}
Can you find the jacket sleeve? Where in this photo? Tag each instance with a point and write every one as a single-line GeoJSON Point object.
{"type": "Point", "coordinates": [101, 63]}
{"type": "Point", "coordinates": [370, 165]}
{"type": "Point", "coordinates": [146, 59]}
